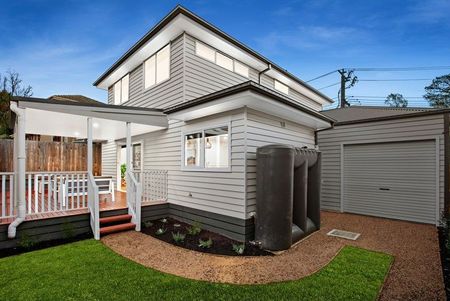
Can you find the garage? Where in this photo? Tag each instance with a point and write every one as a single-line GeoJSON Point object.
{"type": "Point", "coordinates": [393, 180]}
{"type": "Point", "coordinates": [386, 162]}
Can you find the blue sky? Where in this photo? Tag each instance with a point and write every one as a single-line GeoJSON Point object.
{"type": "Point", "coordinates": [61, 47]}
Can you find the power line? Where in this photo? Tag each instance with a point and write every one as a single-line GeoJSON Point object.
{"type": "Point", "coordinates": [394, 80]}
{"type": "Point", "coordinates": [329, 86]}
{"type": "Point", "coordinates": [401, 68]}
{"type": "Point", "coordinates": [373, 96]}
{"type": "Point", "coordinates": [320, 76]}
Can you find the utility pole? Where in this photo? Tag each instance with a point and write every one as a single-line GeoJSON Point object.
{"type": "Point", "coordinates": [343, 101]}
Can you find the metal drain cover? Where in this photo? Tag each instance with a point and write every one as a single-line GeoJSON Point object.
{"type": "Point", "coordinates": [344, 234]}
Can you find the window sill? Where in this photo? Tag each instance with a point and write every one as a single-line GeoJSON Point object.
{"type": "Point", "coordinates": [155, 85]}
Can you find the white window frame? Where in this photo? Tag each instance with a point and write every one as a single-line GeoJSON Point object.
{"type": "Point", "coordinates": [234, 61]}
{"type": "Point", "coordinates": [120, 82]}
{"type": "Point", "coordinates": [202, 130]}
{"type": "Point", "coordinates": [154, 55]}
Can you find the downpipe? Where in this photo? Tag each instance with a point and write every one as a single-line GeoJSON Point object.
{"type": "Point", "coordinates": [19, 138]}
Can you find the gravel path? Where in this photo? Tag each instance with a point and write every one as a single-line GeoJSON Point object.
{"type": "Point", "coordinates": [415, 275]}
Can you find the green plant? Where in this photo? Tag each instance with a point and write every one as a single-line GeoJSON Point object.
{"type": "Point", "coordinates": [178, 237]}
{"type": "Point", "coordinates": [239, 248]}
{"type": "Point", "coordinates": [194, 229]}
{"type": "Point", "coordinates": [25, 241]}
{"type": "Point", "coordinates": [160, 231]}
{"type": "Point", "coordinates": [164, 220]}
{"type": "Point", "coordinates": [123, 170]}
{"type": "Point", "coordinates": [68, 230]}
{"type": "Point", "coordinates": [147, 224]}
{"type": "Point", "coordinates": [205, 244]}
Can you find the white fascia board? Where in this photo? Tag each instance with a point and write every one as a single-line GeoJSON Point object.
{"type": "Point", "coordinates": [254, 101]}
{"type": "Point", "coordinates": [144, 117]}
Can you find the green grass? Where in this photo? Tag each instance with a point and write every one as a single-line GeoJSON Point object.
{"type": "Point", "coordinates": [88, 270]}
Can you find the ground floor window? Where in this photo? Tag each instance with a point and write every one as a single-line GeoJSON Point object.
{"type": "Point", "coordinates": [208, 148]}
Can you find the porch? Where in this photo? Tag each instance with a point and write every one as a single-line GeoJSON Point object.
{"type": "Point", "coordinates": [27, 196]}
{"type": "Point", "coordinates": [43, 200]}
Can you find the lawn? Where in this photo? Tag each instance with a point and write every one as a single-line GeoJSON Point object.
{"type": "Point", "coordinates": [87, 270]}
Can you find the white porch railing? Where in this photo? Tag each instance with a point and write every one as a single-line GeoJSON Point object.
{"type": "Point", "coordinates": [134, 198]}
{"type": "Point", "coordinates": [154, 184]}
{"type": "Point", "coordinates": [7, 194]}
{"type": "Point", "coordinates": [45, 192]}
{"type": "Point", "coordinates": [93, 205]}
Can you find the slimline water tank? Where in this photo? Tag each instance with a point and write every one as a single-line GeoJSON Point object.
{"type": "Point", "coordinates": [287, 195]}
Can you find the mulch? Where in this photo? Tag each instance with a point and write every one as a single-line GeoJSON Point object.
{"type": "Point", "coordinates": [221, 245]}
{"type": "Point", "coordinates": [416, 273]}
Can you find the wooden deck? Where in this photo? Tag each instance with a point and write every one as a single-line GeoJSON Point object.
{"type": "Point", "coordinates": [105, 201]}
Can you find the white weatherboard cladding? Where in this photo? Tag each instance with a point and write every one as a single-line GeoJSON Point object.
{"type": "Point", "coordinates": [228, 193]}
{"type": "Point", "coordinates": [263, 129]}
{"type": "Point", "coordinates": [393, 180]}
{"type": "Point", "coordinates": [331, 141]}
{"type": "Point", "coordinates": [219, 192]}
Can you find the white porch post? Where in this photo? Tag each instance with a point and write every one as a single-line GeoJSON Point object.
{"type": "Point", "coordinates": [128, 146]}
{"type": "Point", "coordinates": [89, 145]}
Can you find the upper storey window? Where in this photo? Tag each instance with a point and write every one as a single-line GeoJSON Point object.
{"type": "Point", "coordinates": [281, 87]}
{"type": "Point", "coordinates": [121, 90]}
{"type": "Point", "coordinates": [220, 59]}
{"type": "Point", "coordinates": [157, 68]}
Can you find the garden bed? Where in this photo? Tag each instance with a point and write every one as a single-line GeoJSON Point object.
{"type": "Point", "coordinates": [34, 246]}
{"type": "Point", "coordinates": [218, 244]}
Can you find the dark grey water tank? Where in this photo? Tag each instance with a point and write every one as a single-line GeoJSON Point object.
{"type": "Point", "coordinates": [287, 195]}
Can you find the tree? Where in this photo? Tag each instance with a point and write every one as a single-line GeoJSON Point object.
{"type": "Point", "coordinates": [396, 100]}
{"type": "Point", "coordinates": [438, 93]}
{"type": "Point", "coordinates": [10, 86]}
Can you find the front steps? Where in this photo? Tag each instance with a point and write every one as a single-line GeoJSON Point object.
{"type": "Point", "coordinates": [116, 223]}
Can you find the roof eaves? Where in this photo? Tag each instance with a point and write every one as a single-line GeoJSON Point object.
{"type": "Point", "coordinates": [73, 103]}
{"type": "Point", "coordinates": [391, 117]}
{"type": "Point", "coordinates": [181, 10]}
{"type": "Point", "coordinates": [249, 85]}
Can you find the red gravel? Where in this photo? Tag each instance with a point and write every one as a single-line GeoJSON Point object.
{"type": "Point", "coordinates": [415, 275]}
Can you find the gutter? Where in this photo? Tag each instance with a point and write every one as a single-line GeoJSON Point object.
{"type": "Point", "coordinates": [19, 175]}
{"type": "Point", "coordinates": [262, 72]}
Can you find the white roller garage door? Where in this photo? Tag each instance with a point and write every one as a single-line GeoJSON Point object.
{"type": "Point", "coordinates": [393, 180]}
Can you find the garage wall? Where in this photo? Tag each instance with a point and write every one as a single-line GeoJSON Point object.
{"type": "Point", "coordinates": [329, 141]}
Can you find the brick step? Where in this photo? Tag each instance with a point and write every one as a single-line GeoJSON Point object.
{"type": "Point", "coordinates": [117, 228]}
{"type": "Point", "coordinates": [115, 219]}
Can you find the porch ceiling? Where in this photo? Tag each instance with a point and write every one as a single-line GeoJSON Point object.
{"type": "Point", "coordinates": [57, 118]}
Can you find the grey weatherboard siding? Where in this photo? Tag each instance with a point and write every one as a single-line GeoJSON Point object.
{"type": "Point", "coordinates": [226, 193]}
{"type": "Point", "coordinates": [414, 128]}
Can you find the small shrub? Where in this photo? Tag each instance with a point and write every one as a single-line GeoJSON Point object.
{"type": "Point", "coordinates": [205, 244]}
{"type": "Point", "coordinates": [160, 231]}
{"type": "Point", "coordinates": [164, 221]}
{"type": "Point", "coordinates": [123, 170]}
{"type": "Point", "coordinates": [147, 224]}
{"type": "Point", "coordinates": [178, 237]}
{"type": "Point", "coordinates": [195, 229]}
{"type": "Point", "coordinates": [25, 241]}
{"type": "Point", "coordinates": [68, 230]}
{"type": "Point", "coordinates": [239, 249]}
